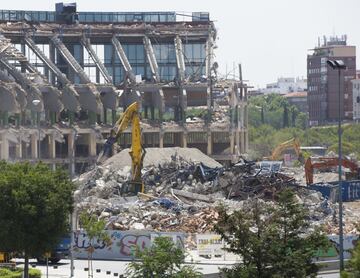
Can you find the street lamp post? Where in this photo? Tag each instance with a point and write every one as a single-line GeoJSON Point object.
{"type": "Point", "coordinates": [36, 102]}
{"type": "Point", "coordinates": [339, 65]}
{"type": "Point", "coordinates": [73, 214]}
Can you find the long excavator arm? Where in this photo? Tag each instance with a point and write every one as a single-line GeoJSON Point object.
{"type": "Point", "coordinates": [326, 162]}
{"type": "Point", "coordinates": [137, 152]}
{"type": "Point", "coordinates": [292, 143]}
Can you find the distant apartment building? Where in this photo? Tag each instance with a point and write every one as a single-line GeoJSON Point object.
{"type": "Point", "coordinates": [298, 99]}
{"type": "Point", "coordinates": [356, 98]}
{"type": "Point", "coordinates": [285, 85]}
{"type": "Point", "coordinates": [323, 82]}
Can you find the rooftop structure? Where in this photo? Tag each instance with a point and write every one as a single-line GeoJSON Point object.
{"type": "Point", "coordinates": [286, 85]}
{"type": "Point", "coordinates": [299, 99]}
{"type": "Point", "coordinates": [66, 76]}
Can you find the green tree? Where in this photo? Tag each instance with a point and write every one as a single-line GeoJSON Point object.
{"type": "Point", "coordinates": [247, 234]}
{"type": "Point", "coordinates": [273, 242]}
{"type": "Point", "coordinates": [352, 269]}
{"type": "Point", "coordinates": [276, 107]}
{"type": "Point", "coordinates": [294, 248]}
{"type": "Point", "coordinates": [35, 204]}
{"type": "Point", "coordinates": [301, 120]}
{"type": "Point", "coordinates": [95, 231]}
{"type": "Point", "coordinates": [353, 265]}
{"type": "Point", "coordinates": [294, 113]}
{"type": "Point", "coordinates": [162, 260]}
{"type": "Point", "coordinates": [286, 116]}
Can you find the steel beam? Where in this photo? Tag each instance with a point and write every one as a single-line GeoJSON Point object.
{"type": "Point", "coordinates": [150, 54]}
{"type": "Point", "coordinates": [124, 60]}
{"type": "Point", "coordinates": [69, 58]}
{"type": "Point", "coordinates": [180, 58]}
{"type": "Point", "coordinates": [86, 43]}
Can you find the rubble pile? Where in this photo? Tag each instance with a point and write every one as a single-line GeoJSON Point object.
{"type": "Point", "coordinates": [244, 181]}
{"type": "Point", "coordinates": [183, 188]}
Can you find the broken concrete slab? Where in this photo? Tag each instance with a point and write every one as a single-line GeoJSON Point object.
{"type": "Point", "coordinates": [193, 196]}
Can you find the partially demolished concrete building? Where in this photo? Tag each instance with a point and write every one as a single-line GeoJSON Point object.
{"type": "Point", "coordinates": [66, 76]}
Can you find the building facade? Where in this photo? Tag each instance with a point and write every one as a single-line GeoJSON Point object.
{"type": "Point", "coordinates": [66, 77]}
{"type": "Point", "coordinates": [285, 85]}
{"type": "Point", "coordinates": [323, 81]}
{"type": "Point", "coordinates": [298, 99]}
{"type": "Point", "coordinates": [356, 99]}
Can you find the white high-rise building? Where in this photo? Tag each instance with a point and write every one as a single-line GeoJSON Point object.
{"type": "Point", "coordinates": [285, 85]}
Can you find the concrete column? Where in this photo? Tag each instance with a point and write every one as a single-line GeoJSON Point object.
{"type": "Point", "coordinates": [71, 153]}
{"type": "Point", "coordinates": [52, 149]}
{"type": "Point", "coordinates": [237, 140]}
{"type": "Point", "coordinates": [18, 149]}
{"type": "Point", "coordinates": [34, 145]}
{"type": "Point", "coordinates": [246, 139]}
{"type": "Point", "coordinates": [184, 141]}
{"type": "Point", "coordinates": [209, 143]}
{"type": "Point", "coordinates": [4, 147]}
{"type": "Point", "coordinates": [161, 139]}
{"type": "Point", "coordinates": [232, 142]}
{"type": "Point", "coordinates": [208, 100]}
{"type": "Point", "coordinates": [52, 58]}
{"type": "Point", "coordinates": [161, 104]}
{"type": "Point", "coordinates": [183, 100]}
{"type": "Point", "coordinates": [242, 142]}
{"type": "Point", "coordinates": [92, 144]}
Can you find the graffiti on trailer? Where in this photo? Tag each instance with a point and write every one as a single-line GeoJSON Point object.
{"type": "Point", "coordinates": [123, 243]}
{"type": "Point", "coordinates": [82, 241]}
{"type": "Point", "coordinates": [129, 243]}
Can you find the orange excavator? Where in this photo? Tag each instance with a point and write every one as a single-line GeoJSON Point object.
{"type": "Point", "coordinates": [329, 162]}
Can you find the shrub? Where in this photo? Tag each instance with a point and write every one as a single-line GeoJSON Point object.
{"type": "Point", "coordinates": [17, 273]}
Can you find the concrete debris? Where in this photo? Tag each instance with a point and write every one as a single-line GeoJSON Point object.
{"type": "Point", "coordinates": [183, 188]}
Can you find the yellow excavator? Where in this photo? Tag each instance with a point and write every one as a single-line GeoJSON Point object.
{"type": "Point", "coordinates": [137, 152]}
{"type": "Point", "coordinates": [293, 143]}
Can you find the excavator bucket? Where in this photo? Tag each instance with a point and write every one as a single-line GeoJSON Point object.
{"type": "Point", "coordinates": [107, 150]}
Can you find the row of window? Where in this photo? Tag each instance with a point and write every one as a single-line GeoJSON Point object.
{"type": "Point", "coordinates": [322, 79]}
{"type": "Point", "coordinates": [194, 55]}
{"type": "Point", "coordinates": [316, 70]}
{"type": "Point", "coordinates": [126, 17]}
{"type": "Point", "coordinates": [313, 88]}
{"type": "Point", "coordinates": [89, 17]}
{"type": "Point", "coordinates": [99, 17]}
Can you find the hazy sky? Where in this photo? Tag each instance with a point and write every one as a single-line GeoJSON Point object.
{"type": "Point", "coordinates": [270, 38]}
